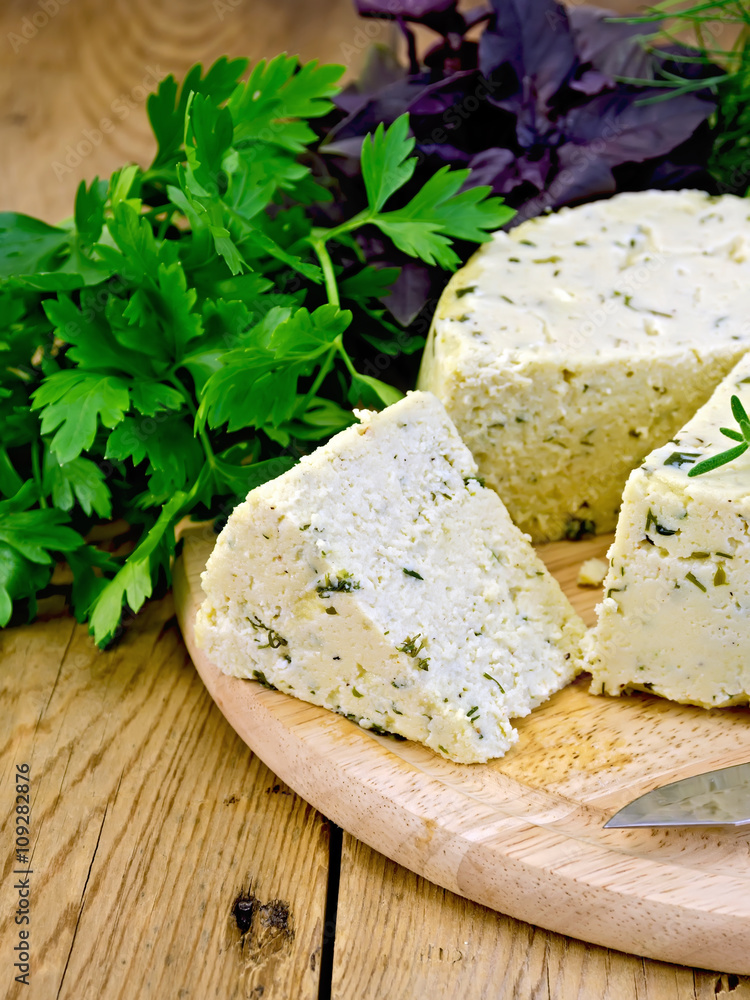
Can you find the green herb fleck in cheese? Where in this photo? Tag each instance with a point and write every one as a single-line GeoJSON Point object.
{"type": "Point", "coordinates": [445, 627]}
{"type": "Point", "coordinates": [676, 619]}
{"type": "Point", "coordinates": [571, 346]}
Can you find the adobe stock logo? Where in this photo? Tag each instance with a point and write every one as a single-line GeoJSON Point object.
{"type": "Point", "coordinates": [121, 108]}
{"type": "Point", "coordinates": [30, 25]}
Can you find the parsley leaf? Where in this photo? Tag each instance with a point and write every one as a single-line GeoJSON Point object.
{"type": "Point", "coordinates": [80, 480]}
{"type": "Point", "coordinates": [27, 245]}
{"type": "Point", "coordinates": [29, 542]}
{"type": "Point", "coordinates": [74, 402]}
{"type": "Point", "coordinates": [386, 163]}
{"type": "Point", "coordinates": [166, 108]}
{"type": "Point", "coordinates": [181, 338]}
{"type": "Point", "coordinates": [278, 92]}
{"type": "Point", "coordinates": [257, 385]}
{"type": "Point", "coordinates": [134, 581]}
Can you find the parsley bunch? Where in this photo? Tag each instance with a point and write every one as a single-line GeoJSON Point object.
{"type": "Point", "coordinates": [193, 329]}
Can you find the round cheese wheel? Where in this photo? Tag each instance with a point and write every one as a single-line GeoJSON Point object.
{"type": "Point", "coordinates": [571, 346]}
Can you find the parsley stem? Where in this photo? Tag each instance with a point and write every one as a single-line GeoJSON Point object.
{"type": "Point", "coordinates": [36, 469]}
{"type": "Point", "coordinates": [329, 276]}
{"type": "Point", "coordinates": [11, 478]}
{"type": "Point", "coordinates": [339, 343]}
{"type": "Point", "coordinates": [153, 175]}
{"type": "Point", "coordinates": [359, 220]}
{"type": "Point", "coordinates": [325, 367]}
{"type": "Point", "coordinates": [202, 433]}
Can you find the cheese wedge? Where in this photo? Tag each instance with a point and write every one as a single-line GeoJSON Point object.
{"type": "Point", "coordinates": [570, 347]}
{"type": "Point", "coordinates": [379, 578]}
{"type": "Point", "coordinates": [676, 616]}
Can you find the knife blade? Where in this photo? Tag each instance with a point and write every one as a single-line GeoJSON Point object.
{"type": "Point", "coordinates": [714, 798]}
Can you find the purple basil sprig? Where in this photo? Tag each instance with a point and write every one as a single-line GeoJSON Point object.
{"type": "Point", "coordinates": [536, 109]}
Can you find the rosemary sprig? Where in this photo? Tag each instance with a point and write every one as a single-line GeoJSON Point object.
{"type": "Point", "coordinates": [707, 21]}
{"type": "Point", "coordinates": [742, 435]}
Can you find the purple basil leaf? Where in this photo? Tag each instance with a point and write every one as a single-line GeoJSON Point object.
{"type": "Point", "coordinates": [581, 175]}
{"type": "Point", "coordinates": [591, 82]}
{"type": "Point", "coordinates": [501, 44]}
{"type": "Point", "coordinates": [664, 175]}
{"type": "Point", "coordinates": [381, 69]}
{"type": "Point", "coordinates": [683, 167]}
{"type": "Point", "coordinates": [385, 106]}
{"type": "Point", "coordinates": [439, 98]}
{"type": "Point", "coordinates": [451, 56]}
{"type": "Point", "coordinates": [442, 153]}
{"type": "Point", "coordinates": [535, 38]}
{"type": "Point", "coordinates": [408, 294]}
{"type": "Point", "coordinates": [496, 167]}
{"type": "Point", "coordinates": [475, 15]}
{"type": "Point", "coordinates": [350, 148]}
{"type": "Point", "coordinates": [610, 46]}
{"type": "Point", "coordinates": [409, 10]}
{"type": "Point", "coordinates": [620, 129]}
{"type": "Point", "coordinates": [579, 178]}
{"type": "Point", "coordinates": [505, 172]}
{"type": "Point", "coordinates": [455, 118]}
{"type": "Point", "coordinates": [440, 15]}
{"type": "Point", "coordinates": [535, 171]}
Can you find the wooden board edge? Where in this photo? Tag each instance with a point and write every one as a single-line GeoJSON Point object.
{"type": "Point", "coordinates": [595, 912]}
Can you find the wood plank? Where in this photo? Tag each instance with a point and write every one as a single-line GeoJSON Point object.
{"type": "Point", "coordinates": [524, 834]}
{"type": "Point", "coordinates": [400, 936]}
{"type": "Point", "coordinates": [73, 85]}
{"type": "Point", "coordinates": [149, 818]}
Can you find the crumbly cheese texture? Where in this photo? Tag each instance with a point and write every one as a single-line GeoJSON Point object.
{"type": "Point", "coordinates": [570, 347]}
{"type": "Point", "coordinates": [379, 578]}
{"type": "Point", "coordinates": [676, 616]}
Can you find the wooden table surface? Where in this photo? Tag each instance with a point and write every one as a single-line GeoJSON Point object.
{"type": "Point", "coordinates": [167, 860]}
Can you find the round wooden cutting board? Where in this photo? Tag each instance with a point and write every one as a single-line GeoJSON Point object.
{"type": "Point", "coordinates": [524, 834]}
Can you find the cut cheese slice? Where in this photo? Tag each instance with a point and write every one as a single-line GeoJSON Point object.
{"type": "Point", "coordinates": [676, 616]}
{"type": "Point", "coordinates": [379, 578]}
{"type": "Point", "coordinates": [570, 347]}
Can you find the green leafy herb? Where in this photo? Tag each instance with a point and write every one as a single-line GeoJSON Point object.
{"type": "Point", "coordinates": [261, 678]}
{"type": "Point", "coordinates": [341, 583]}
{"type": "Point", "coordinates": [652, 522]}
{"type": "Point", "coordinates": [695, 581]}
{"type": "Point", "coordinates": [413, 572]}
{"type": "Point", "coordinates": [742, 435]}
{"type": "Point", "coordinates": [577, 528]}
{"type": "Point", "coordinates": [194, 329]}
{"type": "Point", "coordinates": [724, 69]}
{"type": "Point", "coordinates": [491, 678]}
{"type": "Point", "coordinates": [409, 645]}
{"type": "Point", "coordinates": [30, 541]}
{"type": "Point", "coordinates": [679, 458]}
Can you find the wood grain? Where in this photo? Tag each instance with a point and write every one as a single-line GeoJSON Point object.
{"type": "Point", "coordinates": [134, 770]}
{"type": "Point", "coordinates": [457, 948]}
{"type": "Point", "coordinates": [524, 835]}
{"type": "Point", "coordinates": [73, 84]}
{"type": "Point", "coordinates": [75, 75]}
{"type": "Point", "coordinates": [149, 818]}
{"type": "Point", "coordinates": [564, 560]}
